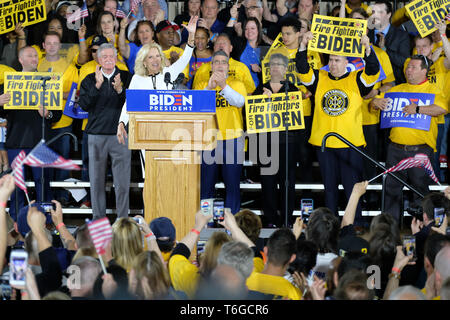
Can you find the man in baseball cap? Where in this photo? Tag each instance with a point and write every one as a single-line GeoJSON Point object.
{"type": "Point", "coordinates": [165, 234]}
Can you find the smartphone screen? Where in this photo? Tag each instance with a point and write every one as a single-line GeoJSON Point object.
{"type": "Point", "coordinates": [409, 246]}
{"type": "Point", "coordinates": [200, 248]}
{"type": "Point", "coordinates": [18, 267]}
{"type": "Point", "coordinates": [306, 207]}
{"type": "Point", "coordinates": [218, 210]}
{"type": "Point", "coordinates": [438, 216]}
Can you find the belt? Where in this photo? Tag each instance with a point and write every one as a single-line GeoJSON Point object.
{"type": "Point", "coordinates": [411, 148]}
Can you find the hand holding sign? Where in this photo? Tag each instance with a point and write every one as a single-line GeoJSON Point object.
{"type": "Point", "coordinates": [19, 30]}
{"type": "Point", "coordinates": [267, 92]}
{"type": "Point", "coordinates": [365, 41]}
{"type": "Point", "coordinates": [410, 109]}
{"type": "Point", "coordinates": [305, 39]}
{"type": "Point", "coordinates": [441, 26]}
{"type": "Point", "coordinates": [379, 103]}
{"type": "Point", "coordinates": [4, 98]}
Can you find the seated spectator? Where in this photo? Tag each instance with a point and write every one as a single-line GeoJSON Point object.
{"type": "Point", "coordinates": [202, 53]}
{"type": "Point", "coordinates": [165, 234]}
{"type": "Point", "coordinates": [145, 34]}
{"type": "Point", "coordinates": [280, 252]}
{"type": "Point", "coordinates": [89, 269]}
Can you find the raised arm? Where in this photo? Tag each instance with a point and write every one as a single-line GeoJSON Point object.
{"type": "Point", "coordinates": [83, 56]}
{"type": "Point", "coordinates": [6, 188]}
{"type": "Point", "coordinates": [124, 48]}
{"type": "Point", "coordinates": [358, 190]}
{"type": "Point", "coordinates": [57, 218]}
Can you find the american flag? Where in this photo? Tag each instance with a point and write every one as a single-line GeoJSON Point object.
{"type": "Point", "coordinates": [120, 13]}
{"type": "Point", "coordinates": [101, 234]}
{"type": "Point", "coordinates": [43, 156]}
{"type": "Point", "coordinates": [134, 5]}
{"type": "Point", "coordinates": [419, 160]}
{"type": "Point", "coordinates": [78, 14]}
{"type": "Point", "coordinates": [17, 166]}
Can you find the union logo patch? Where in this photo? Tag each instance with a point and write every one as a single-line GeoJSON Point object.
{"type": "Point", "coordinates": [335, 102]}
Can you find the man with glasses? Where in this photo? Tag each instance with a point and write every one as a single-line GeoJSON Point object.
{"type": "Point", "coordinates": [229, 152]}
{"type": "Point", "coordinates": [408, 141]}
{"type": "Point", "coordinates": [209, 19]}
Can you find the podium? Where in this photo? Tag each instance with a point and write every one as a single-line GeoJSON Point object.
{"type": "Point", "coordinates": [173, 144]}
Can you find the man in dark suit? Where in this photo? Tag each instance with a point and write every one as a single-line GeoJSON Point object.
{"type": "Point", "coordinates": [393, 40]}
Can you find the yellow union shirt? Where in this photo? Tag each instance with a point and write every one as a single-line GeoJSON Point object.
{"type": "Point", "coordinates": [269, 284]}
{"type": "Point", "coordinates": [338, 108]}
{"type": "Point", "coordinates": [238, 71]}
{"type": "Point", "coordinates": [229, 118]}
{"type": "Point", "coordinates": [180, 53]}
{"type": "Point", "coordinates": [410, 136]}
{"type": "Point", "coordinates": [371, 116]}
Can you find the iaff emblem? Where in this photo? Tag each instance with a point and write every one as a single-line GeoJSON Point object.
{"type": "Point", "coordinates": [335, 102]}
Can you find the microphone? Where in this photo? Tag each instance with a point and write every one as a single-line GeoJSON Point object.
{"type": "Point", "coordinates": [178, 81]}
{"type": "Point", "coordinates": [167, 79]}
{"type": "Point", "coordinates": [45, 78]}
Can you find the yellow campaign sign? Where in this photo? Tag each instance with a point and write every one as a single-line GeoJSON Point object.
{"type": "Point", "coordinates": [27, 12]}
{"type": "Point", "coordinates": [264, 114]}
{"type": "Point", "coordinates": [425, 14]}
{"type": "Point", "coordinates": [277, 43]}
{"type": "Point", "coordinates": [339, 36]}
{"type": "Point", "coordinates": [26, 90]}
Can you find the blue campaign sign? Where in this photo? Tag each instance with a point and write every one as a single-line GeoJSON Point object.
{"type": "Point", "coordinates": [72, 109]}
{"type": "Point", "coordinates": [394, 117]}
{"type": "Point", "coordinates": [171, 100]}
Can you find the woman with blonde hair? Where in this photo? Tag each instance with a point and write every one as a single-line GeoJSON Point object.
{"type": "Point", "coordinates": [126, 243]}
{"type": "Point", "coordinates": [150, 68]}
{"type": "Point", "coordinates": [149, 278]}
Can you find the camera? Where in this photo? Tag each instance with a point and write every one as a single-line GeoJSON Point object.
{"type": "Point", "coordinates": [415, 212]}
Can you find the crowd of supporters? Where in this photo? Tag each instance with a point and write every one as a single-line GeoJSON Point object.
{"type": "Point", "coordinates": [222, 48]}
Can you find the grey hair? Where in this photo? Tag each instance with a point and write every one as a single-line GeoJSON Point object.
{"type": "Point", "coordinates": [445, 289]}
{"type": "Point", "coordinates": [237, 255]}
{"type": "Point", "coordinates": [220, 53]}
{"type": "Point", "coordinates": [401, 292]}
{"type": "Point", "coordinates": [442, 262]}
{"type": "Point", "coordinates": [90, 268]}
{"type": "Point", "coordinates": [258, 3]}
{"type": "Point", "coordinates": [279, 56]}
{"type": "Point", "coordinates": [105, 46]}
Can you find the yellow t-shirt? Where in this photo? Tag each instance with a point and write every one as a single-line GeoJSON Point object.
{"type": "Point", "coordinates": [436, 75]}
{"type": "Point", "coordinates": [238, 71]}
{"type": "Point", "coordinates": [3, 69]}
{"type": "Point", "coordinates": [275, 285]}
{"type": "Point", "coordinates": [371, 116]}
{"type": "Point", "coordinates": [70, 74]}
{"type": "Point", "coordinates": [364, 6]}
{"type": "Point", "coordinates": [68, 52]}
{"type": "Point", "coordinates": [183, 274]}
{"type": "Point", "coordinates": [180, 53]}
{"type": "Point", "coordinates": [88, 68]}
{"type": "Point", "coordinates": [229, 118]}
{"type": "Point", "coordinates": [338, 108]}
{"type": "Point", "coordinates": [410, 136]}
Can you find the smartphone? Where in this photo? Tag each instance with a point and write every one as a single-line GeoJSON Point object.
{"type": "Point", "coordinates": [206, 206]}
{"type": "Point", "coordinates": [439, 214]}
{"type": "Point", "coordinates": [409, 246]}
{"type": "Point", "coordinates": [218, 210]}
{"type": "Point", "coordinates": [138, 220]}
{"type": "Point", "coordinates": [200, 248]}
{"type": "Point", "coordinates": [48, 206]}
{"type": "Point", "coordinates": [17, 267]}
{"type": "Point", "coordinates": [306, 207]}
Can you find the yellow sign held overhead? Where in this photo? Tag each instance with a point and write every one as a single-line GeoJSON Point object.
{"type": "Point", "coordinates": [264, 114]}
{"type": "Point", "coordinates": [339, 36]}
{"type": "Point", "coordinates": [26, 90]}
{"type": "Point", "coordinates": [425, 14]}
{"type": "Point", "coordinates": [27, 12]}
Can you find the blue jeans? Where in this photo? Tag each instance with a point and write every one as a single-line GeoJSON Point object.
{"type": "Point", "coordinates": [37, 177]}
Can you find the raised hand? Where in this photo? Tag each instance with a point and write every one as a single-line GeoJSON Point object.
{"type": "Point", "coordinates": [117, 84]}
{"type": "Point", "coordinates": [98, 77]}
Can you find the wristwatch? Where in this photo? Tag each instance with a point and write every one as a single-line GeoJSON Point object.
{"type": "Point", "coordinates": [49, 115]}
{"type": "Point", "coordinates": [417, 109]}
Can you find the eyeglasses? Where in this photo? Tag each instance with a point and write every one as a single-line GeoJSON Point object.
{"type": "Point", "coordinates": [94, 50]}
{"type": "Point", "coordinates": [220, 62]}
{"type": "Point", "coordinates": [275, 64]}
{"type": "Point", "coordinates": [252, 8]}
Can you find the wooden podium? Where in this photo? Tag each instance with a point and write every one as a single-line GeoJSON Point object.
{"type": "Point", "coordinates": [173, 143]}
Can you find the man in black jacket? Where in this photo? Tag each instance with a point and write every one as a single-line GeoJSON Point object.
{"type": "Point", "coordinates": [102, 94]}
{"type": "Point", "coordinates": [24, 131]}
{"type": "Point", "coordinates": [394, 41]}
